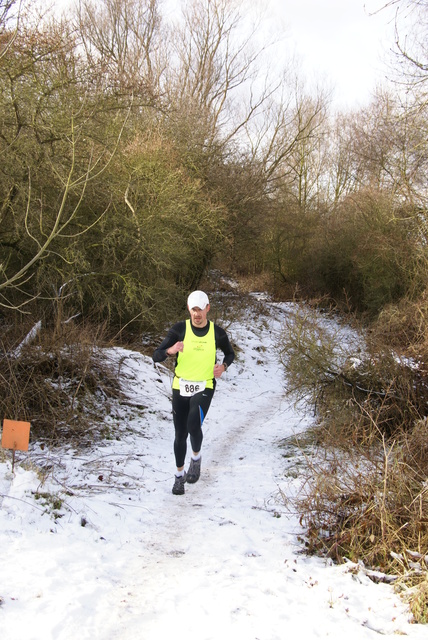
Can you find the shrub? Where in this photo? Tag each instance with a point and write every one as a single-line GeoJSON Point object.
{"type": "Point", "coordinates": [404, 326]}
{"type": "Point", "coordinates": [367, 252]}
{"type": "Point", "coordinates": [61, 383]}
{"type": "Point", "coordinates": [364, 492]}
{"type": "Point", "coordinates": [358, 389]}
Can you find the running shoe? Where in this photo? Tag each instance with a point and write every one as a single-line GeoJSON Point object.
{"type": "Point", "coordinates": [179, 482]}
{"type": "Point", "coordinates": [194, 471]}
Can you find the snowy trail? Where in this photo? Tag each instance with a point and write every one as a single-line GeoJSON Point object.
{"type": "Point", "coordinates": [190, 577]}
{"type": "Point", "coordinates": [221, 561]}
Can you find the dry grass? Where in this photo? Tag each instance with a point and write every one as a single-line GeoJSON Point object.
{"type": "Point", "coordinates": [404, 325]}
{"type": "Point", "coordinates": [370, 505]}
{"type": "Point", "coordinates": [61, 382]}
{"type": "Point", "coordinates": [365, 491]}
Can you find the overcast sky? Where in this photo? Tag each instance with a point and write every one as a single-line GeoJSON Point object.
{"type": "Point", "coordinates": [338, 39]}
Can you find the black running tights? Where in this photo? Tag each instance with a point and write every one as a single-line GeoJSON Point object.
{"type": "Point", "coordinates": [188, 415]}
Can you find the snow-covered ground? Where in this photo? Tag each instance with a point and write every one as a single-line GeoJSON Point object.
{"type": "Point", "coordinates": [128, 560]}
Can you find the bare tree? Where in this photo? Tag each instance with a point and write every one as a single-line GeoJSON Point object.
{"type": "Point", "coordinates": [212, 68]}
{"type": "Point", "coordinates": [9, 23]}
{"type": "Point", "coordinates": [410, 52]}
{"type": "Point", "coordinates": [292, 153]}
{"type": "Point", "coordinates": [122, 38]}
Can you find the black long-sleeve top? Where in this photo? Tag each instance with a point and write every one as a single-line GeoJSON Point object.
{"type": "Point", "coordinates": [176, 334]}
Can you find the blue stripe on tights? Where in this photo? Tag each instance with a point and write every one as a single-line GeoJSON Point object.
{"type": "Point", "coordinates": [201, 415]}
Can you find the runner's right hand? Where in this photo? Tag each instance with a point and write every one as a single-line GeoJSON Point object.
{"type": "Point", "coordinates": [178, 346]}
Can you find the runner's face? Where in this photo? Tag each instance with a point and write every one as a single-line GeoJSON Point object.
{"type": "Point", "coordinates": [199, 316]}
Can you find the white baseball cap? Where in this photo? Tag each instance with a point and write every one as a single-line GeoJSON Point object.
{"type": "Point", "coordinates": [197, 299]}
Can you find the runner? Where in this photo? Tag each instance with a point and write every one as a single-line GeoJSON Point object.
{"type": "Point", "coordinates": [194, 343]}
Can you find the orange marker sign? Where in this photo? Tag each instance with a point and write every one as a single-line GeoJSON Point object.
{"type": "Point", "coordinates": [16, 435]}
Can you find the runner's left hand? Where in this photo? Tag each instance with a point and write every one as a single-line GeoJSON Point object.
{"type": "Point", "coordinates": [218, 370]}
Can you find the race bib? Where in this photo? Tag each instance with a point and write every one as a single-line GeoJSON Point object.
{"type": "Point", "coordinates": [189, 387]}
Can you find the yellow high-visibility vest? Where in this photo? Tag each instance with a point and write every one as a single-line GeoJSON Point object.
{"type": "Point", "coordinates": [196, 361]}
